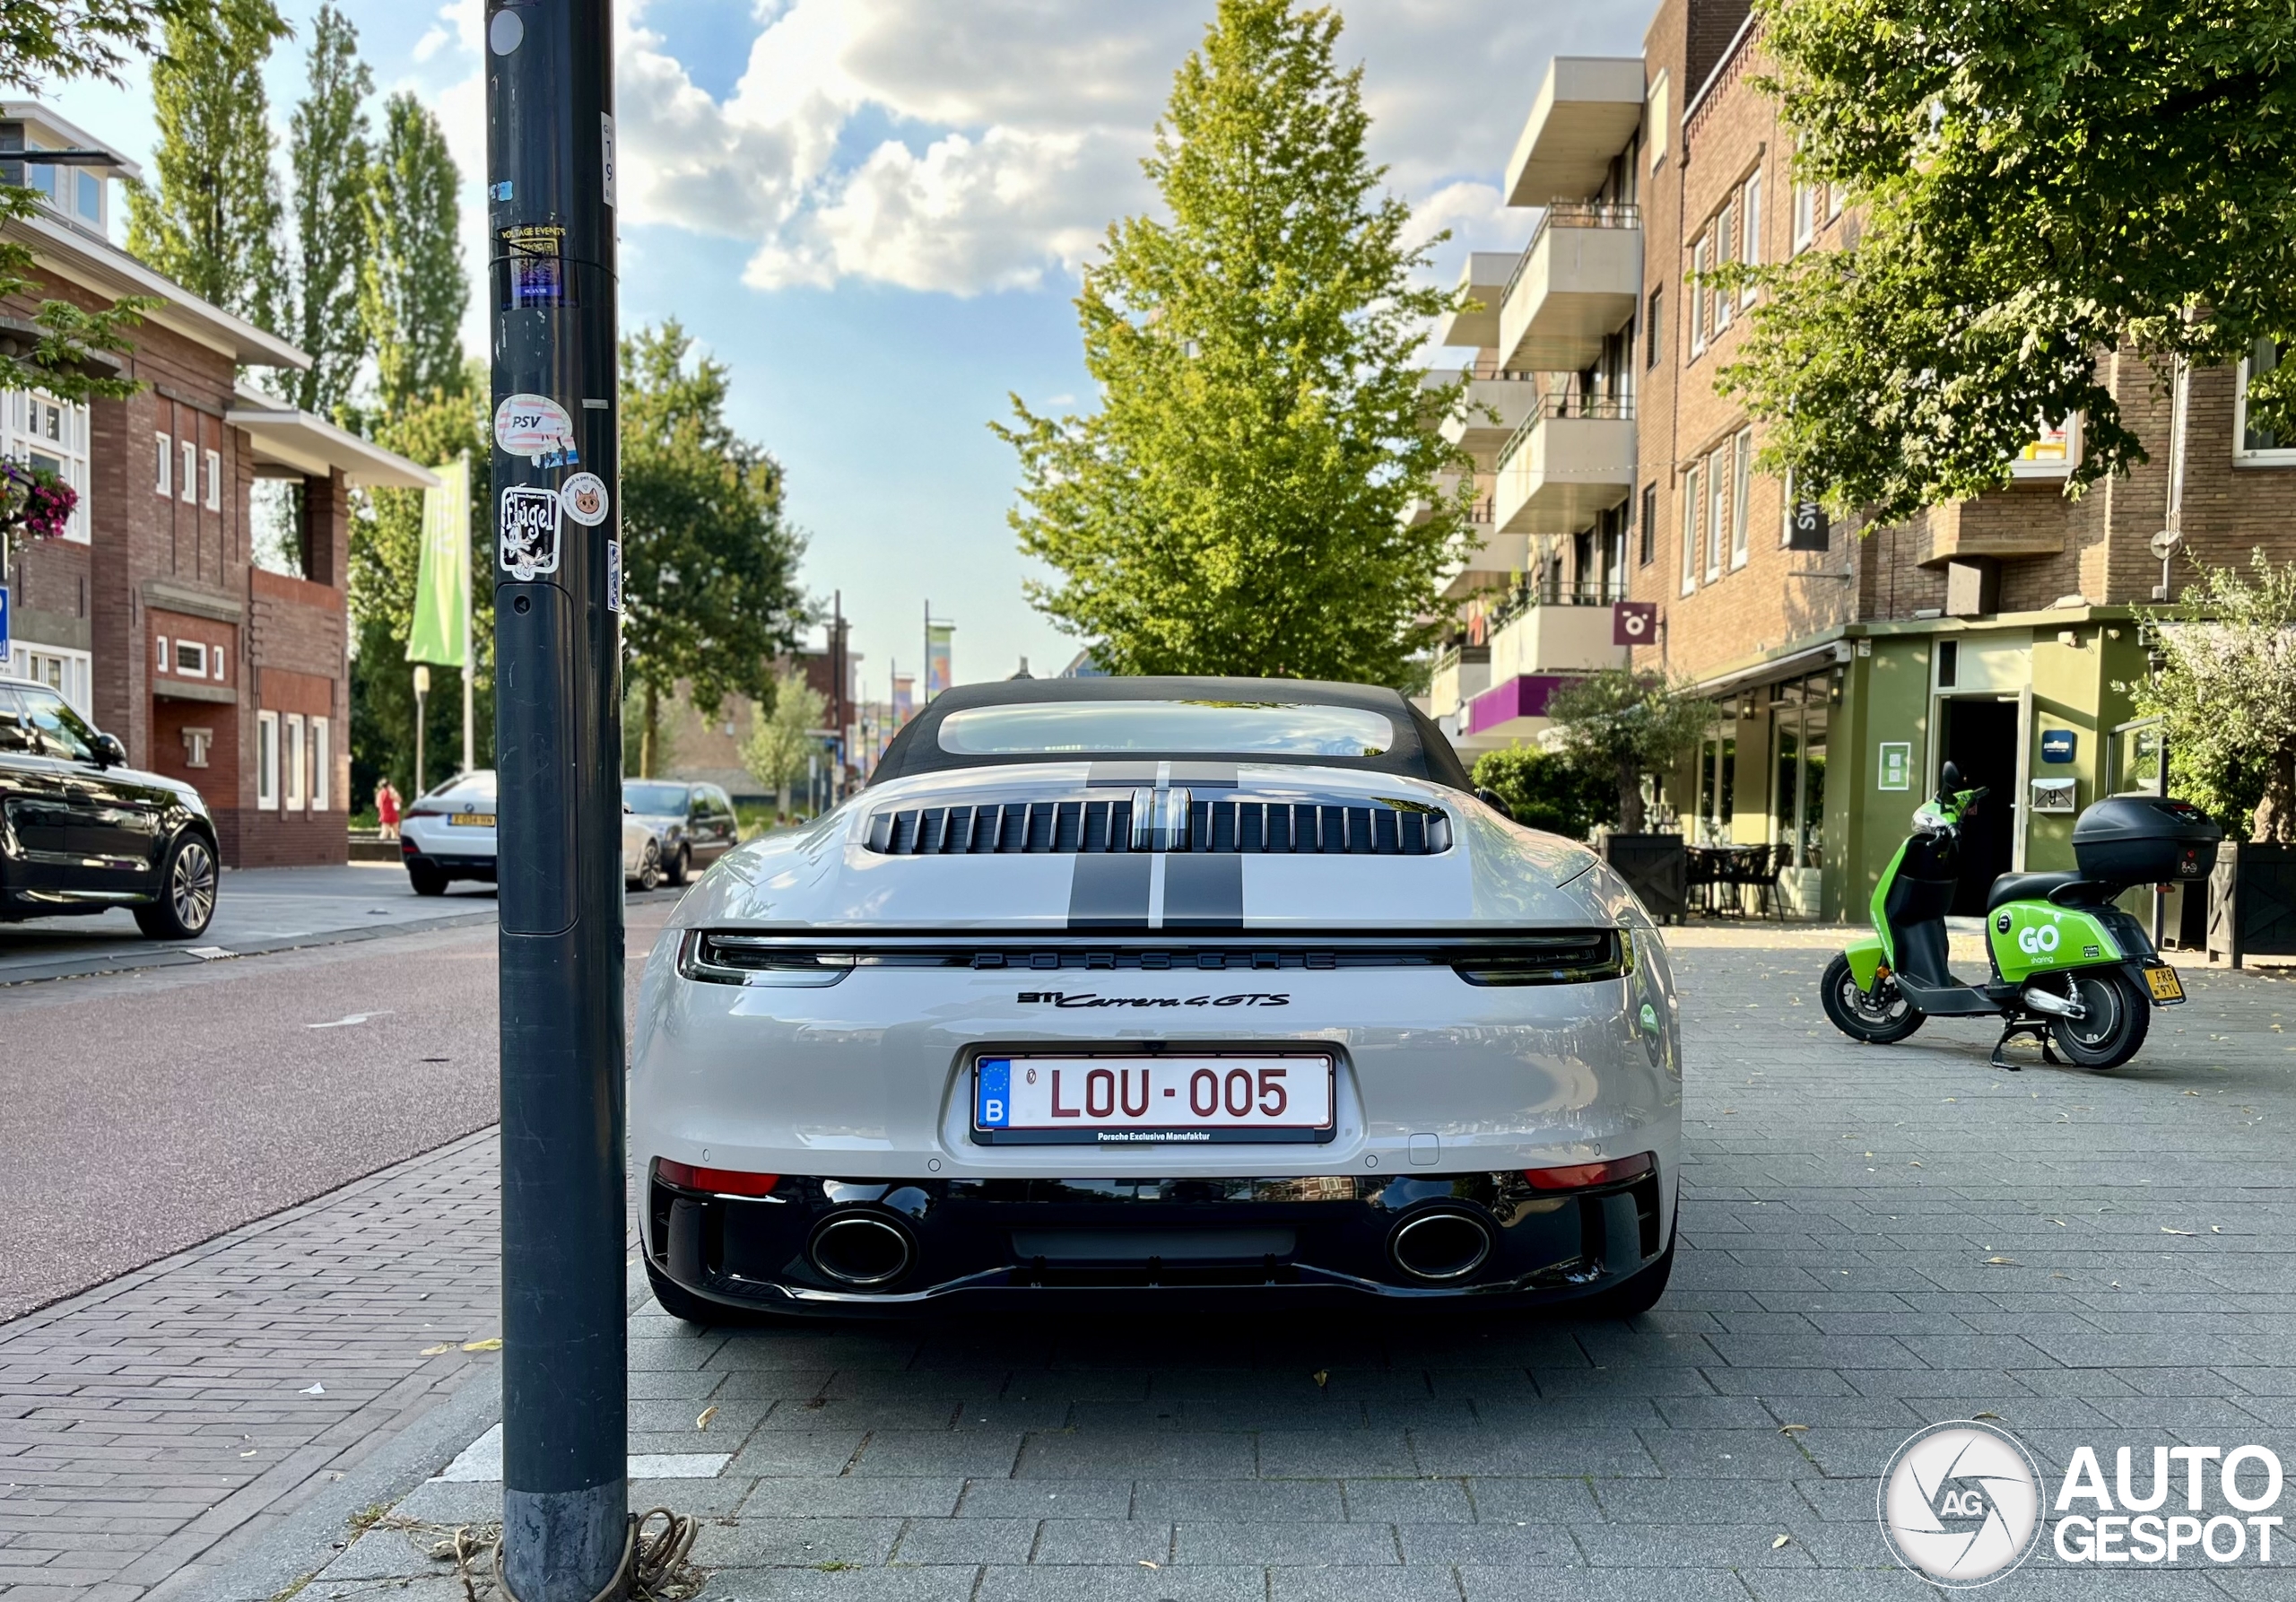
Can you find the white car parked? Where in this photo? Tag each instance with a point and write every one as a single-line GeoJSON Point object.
{"type": "Point", "coordinates": [1168, 987]}
{"type": "Point", "coordinates": [448, 834]}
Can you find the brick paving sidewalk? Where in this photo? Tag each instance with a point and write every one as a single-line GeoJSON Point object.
{"type": "Point", "coordinates": [1874, 1240]}
{"type": "Point", "coordinates": [145, 1422]}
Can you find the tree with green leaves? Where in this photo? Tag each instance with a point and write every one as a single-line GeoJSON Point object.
{"type": "Point", "coordinates": [412, 291]}
{"type": "Point", "coordinates": [1238, 503]}
{"type": "Point", "coordinates": [386, 556]}
{"type": "Point", "coordinates": [1545, 789]}
{"type": "Point", "coordinates": [327, 155]}
{"type": "Point", "coordinates": [2041, 184]}
{"type": "Point", "coordinates": [2225, 693]}
{"type": "Point", "coordinates": [709, 563]}
{"type": "Point", "coordinates": [1624, 724]}
{"type": "Point", "coordinates": [783, 739]}
{"type": "Point", "coordinates": [44, 45]}
{"type": "Point", "coordinates": [211, 222]}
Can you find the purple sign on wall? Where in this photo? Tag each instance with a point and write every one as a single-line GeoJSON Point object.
{"type": "Point", "coordinates": [1634, 622]}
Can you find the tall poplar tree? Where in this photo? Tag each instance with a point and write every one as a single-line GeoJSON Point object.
{"type": "Point", "coordinates": [212, 221]}
{"type": "Point", "coordinates": [412, 292]}
{"type": "Point", "coordinates": [327, 151]}
{"type": "Point", "coordinates": [1236, 505]}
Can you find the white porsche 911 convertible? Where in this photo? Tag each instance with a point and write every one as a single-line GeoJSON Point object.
{"type": "Point", "coordinates": [1157, 988]}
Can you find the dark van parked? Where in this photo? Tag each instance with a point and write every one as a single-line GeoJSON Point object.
{"type": "Point", "coordinates": [81, 831]}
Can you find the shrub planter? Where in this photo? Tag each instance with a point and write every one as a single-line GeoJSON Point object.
{"type": "Point", "coordinates": [2252, 902]}
{"type": "Point", "coordinates": [1656, 867]}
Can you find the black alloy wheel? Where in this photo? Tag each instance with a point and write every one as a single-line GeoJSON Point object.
{"type": "Point", "coordinates": [185, 903]}
{"type": "Point", "coordinates": [1881, 1017]}
{"type": "Point", "coordinates": [2116, 1017]}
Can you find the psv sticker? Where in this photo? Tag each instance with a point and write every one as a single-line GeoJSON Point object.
{"type": "Point", "coordinates": [529, 544]}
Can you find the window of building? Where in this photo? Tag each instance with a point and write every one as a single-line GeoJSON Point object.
{"type": "Point", "coordinates": [1750, 209]}
{"type": "Point", "coordinates": [190, 471]}
{"type": "Point", "coordinates": [1693, 504]}
{"type": "Point", "coordinates": [292, 758]}
{"type": "Point", "coordinates": [1654, 121]}
{"type": "Point", "coordinates": [1722, 298]}
{"type": "Point", "coordinates": [1652, 331]}
{"type": "Point", "coordinates": [1700, 255]}
{"type": "Point", "coordinates": [164, 482]}
{"type": "Point", "coordinates": [215, 663]}
{"type": "Point", "coordinates": [321, 766]}
{"type": "Point", "coordinates": [214, 481]}
{"type": "Point", "coordinates": [90, 198]}
{"type": "Point", "coordinates": [2253, 442]}
{"type": "Point", "coordinates": [1718, 519]}
{"type": "Point", "coordinates": [1742, 478]}
{"type": "Point", "coordinates": [65, 671]}
{"type": "Point", "coordinates": [1649, 546]}
{"type": "Point", "coordinates": [52, 435]}
{"type": "Point", "coordinates": [1805, 215]}
{"type": "Point", "coordinates": [2054, 451]}
{"type": "Point", "coordinates": [1834, 198]}
{"type": "Point", "coordinates": [266, 762]}
{"type": "Point", "coordinates": [191, 657]}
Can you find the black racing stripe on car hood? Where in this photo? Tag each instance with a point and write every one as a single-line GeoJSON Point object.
{"type": "Point", "coordinates": [1109, 891]}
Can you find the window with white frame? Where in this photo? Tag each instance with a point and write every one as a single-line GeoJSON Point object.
{"type": "Point", "coordinates": [191, 658]}
{"type": "Point", "coordinates": [190, 471]}
{"type": "Point", "coordinates": [1834, 198]}
{"type": "Point", "coordinates": [266, 762]}
{"type": "Point", "coordinates": [1699, 256]}
{"type": "Point", "coordinates": [1722, 257]}
{"type": "Point", "coordinates": [322, 769]}
{"type": "Point", "coordinates": [162, 653]}
{"type": "Point", "coordinates": [2054, 451]}
{"type": "Point", "coordinates": [1742, 478]}
{"type": "Point", "coordinates": [1750, 209]}
{"type": "Point", "coordinates": [214, 481]}
{"type": "Point", "coordinates": [292, 758]}
{"type": "Point", "coordinates": [67, 672]}
{"type": "Point", "coordinates": [1718, 516]}
{"type": "Point", "coordinates": [1806, 215]}
{"type": "Point", "coordinates": [1692, 505]}
{"type": "Point", "coordinates": [2252, 442]}
{"type": "Point", "coordinates": [165, 479]}
{"type": "Point", "coordinates": [51, 435]}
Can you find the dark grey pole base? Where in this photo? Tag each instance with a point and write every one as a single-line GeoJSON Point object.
{"type": "Point", "coordinates": [565, 1546]}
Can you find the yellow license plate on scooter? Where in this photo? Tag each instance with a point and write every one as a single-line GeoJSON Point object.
{"type": "Point", "coordinates": [2166, 987]}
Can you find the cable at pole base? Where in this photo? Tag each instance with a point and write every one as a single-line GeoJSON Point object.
{"type": "Point", "coordinates": [656, 1564]}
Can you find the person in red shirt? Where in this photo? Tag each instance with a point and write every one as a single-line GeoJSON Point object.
{"type": "Point", "coordinates": [387, 809]}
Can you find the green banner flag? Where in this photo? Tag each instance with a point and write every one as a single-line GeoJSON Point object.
{"type": "Point", "coordinates": [441, 631]}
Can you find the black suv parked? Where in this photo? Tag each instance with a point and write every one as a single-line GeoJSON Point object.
{"type": "Point", "coordinates": [81, 831]}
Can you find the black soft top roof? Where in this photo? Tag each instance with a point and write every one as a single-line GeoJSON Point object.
{"type": "Point", "coordinates": [1420, 750]}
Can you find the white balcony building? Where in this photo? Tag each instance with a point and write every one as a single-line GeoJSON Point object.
{"type": "Point", "coordinates": [1587, 107]}
{"type": "Point", "coordinates": [1572, 460]}
{"type": "Point", "coordinates": [1580, 280]}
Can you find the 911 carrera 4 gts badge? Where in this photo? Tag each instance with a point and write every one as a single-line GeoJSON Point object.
{"type": "Point", "coordinates": [1062, 998]}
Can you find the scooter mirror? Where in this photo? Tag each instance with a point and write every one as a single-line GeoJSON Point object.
{"type": "Point", "coordinates": [1949, 782]}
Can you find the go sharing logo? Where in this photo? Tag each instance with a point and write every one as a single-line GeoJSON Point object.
{"type": "Point", "coordinates": [1963, 1503]}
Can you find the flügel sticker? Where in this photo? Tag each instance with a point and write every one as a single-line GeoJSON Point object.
{"type": "Point", "coordinates": [536, 427]}
{"type": "Point", "coordinates": [529, 530]}
{"type": "Point", "coordinates": [583, 498]}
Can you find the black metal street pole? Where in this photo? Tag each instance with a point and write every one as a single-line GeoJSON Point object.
{"type": "Point", "coordinates": [558, 754]}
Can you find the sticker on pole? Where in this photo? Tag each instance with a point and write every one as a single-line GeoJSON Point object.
{"type": "Point", "coordinates": [529, 531]}
{"type": "Point", "coordinates": [614, 575]}
{"type": "Point", "coordinates": [583, 498]}
{"type": "Point", "coordinates": [533, 263]}
{"type": "Point", "coordinates": [536, 427]}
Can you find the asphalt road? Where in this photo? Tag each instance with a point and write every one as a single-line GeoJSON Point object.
{"type": "Point", "coordinates": [144, 1112]}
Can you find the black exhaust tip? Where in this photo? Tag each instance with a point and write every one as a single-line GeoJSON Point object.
{"type": "Point", "coordinates": [861, 1249]}
{"type": "Point", "coordinates": [1442, 1245]}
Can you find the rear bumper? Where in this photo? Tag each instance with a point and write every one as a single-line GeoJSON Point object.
{"type": "Point", "coordinates": [1006, 1243]}
{"type": "Point", "coordinates": [454, 865]}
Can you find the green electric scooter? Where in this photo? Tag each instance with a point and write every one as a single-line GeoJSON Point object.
{"type": "Point", "coordinates": [2069, 967]}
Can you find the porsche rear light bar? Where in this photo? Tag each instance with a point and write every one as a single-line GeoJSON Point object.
{"type": "Point", "coordinates": [717, 1181]}
{"type": "Point", "coordinates": [1585, 1175]}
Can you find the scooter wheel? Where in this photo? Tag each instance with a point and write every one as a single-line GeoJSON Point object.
{"type": "Point", "coordinates": [2118, 1018]}
{"type": "Point", "coordinates": [1881, 1017]}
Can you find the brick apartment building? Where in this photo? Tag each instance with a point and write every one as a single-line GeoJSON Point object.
{"type": "Point", "coordinates": [152, 615]}
{"type": "Point", "coordinates": [1848, 675]}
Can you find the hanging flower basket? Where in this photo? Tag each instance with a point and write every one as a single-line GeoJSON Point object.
{"type": "Point", "coordinates": [35, 504]}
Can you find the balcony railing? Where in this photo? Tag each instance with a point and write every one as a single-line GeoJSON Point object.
{"type": "Point", "coordinates": [1618, 407]}
{"type": "Point", "coordinates": [1572, 213]}
{"type": "Point", "coordinates": [1531, 592]}
{"type": "Point", "coordinates": [1485, 369]}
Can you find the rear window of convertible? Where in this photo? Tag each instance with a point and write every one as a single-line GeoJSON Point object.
{"type": "Point", "coordinates": [1208, 727]}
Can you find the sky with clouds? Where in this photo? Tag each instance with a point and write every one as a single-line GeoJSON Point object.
{"type": "Point", "coordinates": [875, 209]}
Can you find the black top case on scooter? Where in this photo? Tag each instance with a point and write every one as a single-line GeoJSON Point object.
{"type": "Point", "coordinates": [2144, 839]}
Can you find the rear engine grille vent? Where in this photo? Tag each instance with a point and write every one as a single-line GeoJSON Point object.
{"type": "Point", "coordinates": [1167, 820]}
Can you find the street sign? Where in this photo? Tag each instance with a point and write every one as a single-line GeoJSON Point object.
{"type": "Point", "coordinates": [1896, 766]}
{"type": "Point", "coordinates": [1634, 622]}
{"type": "Point", "coordinates": [2057, 744]}
{"type": "Point", "coordinates": [1809, 528]}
